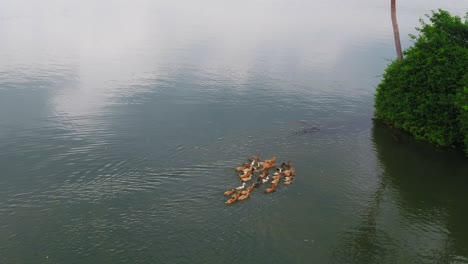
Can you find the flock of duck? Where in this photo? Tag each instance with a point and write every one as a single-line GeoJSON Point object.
{"type": "Point", "coordinates": [248, 170]}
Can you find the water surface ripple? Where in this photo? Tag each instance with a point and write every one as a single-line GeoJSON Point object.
{"type": "Point", "coordinates": [121, 123]}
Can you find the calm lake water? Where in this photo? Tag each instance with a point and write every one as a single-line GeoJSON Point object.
{"type": "Point", "coordinates": [121, 123]}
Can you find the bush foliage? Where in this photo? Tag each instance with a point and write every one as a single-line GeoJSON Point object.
{"type": "Point", "coordinates": [426, 93]}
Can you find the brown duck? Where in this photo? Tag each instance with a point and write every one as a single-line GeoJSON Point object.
{"type": "Point", "coordinates": [233, 198]}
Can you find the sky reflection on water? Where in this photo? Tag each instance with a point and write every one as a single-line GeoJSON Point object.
{"type": "Point", "coordinates": [120, 122]}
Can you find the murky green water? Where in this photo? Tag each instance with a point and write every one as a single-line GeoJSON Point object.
{"type": "Point", "coordinates": [121, 123]}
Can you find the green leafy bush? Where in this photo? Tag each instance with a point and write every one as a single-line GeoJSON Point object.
{"type": "Point", "coordinates": [426, 92]}
{"type": "Point", "coordinates": [462, 102]}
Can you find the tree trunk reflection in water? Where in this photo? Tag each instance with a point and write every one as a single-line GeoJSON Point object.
{"type": "Point", "coordinates": [417, 211]}
{"type": "Point", "coordinates": [361, 244]}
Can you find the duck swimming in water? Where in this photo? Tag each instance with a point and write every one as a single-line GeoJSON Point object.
{"type": "Point", "coordinates": [243, 167]}
{"type": "Point", "coordinates": [246, 179]}
{"type": "Point", "coordinates": [252, 164]}
{"type": "Point", "coordinates": [276, 178]}
{"type": "Point", "coordinates": [233, 198]}
{"type": "Point", "coordinates": [268, 164]}
{"type": "Point", "coordinates": [272, 188]}
{"type": "Point", "coordinates": [288, 175]}
{"type": "Point", "coordinates": [290, 172]}
{"type": "Point", "coordinates": [248, 189]}
{"type": "Point", "coordinates": [246, 193]}
{"type": "Point", "coordinates": [273, 160]}
{"type": "Point", "coordinates": [241, 187]}
{"type": "Point", "coordinates": [244, 196]}
{"type": "Point", "coordinates": [248, 169]}
{"type": "Point", "coordinates": [286, 165]}
{"type": "Point", "coordinates": [278, 171]}
{"type": "Point", "coordinates": [263, 174]}
{"type": "Point", "coordinates": [247, 173]}
{"type": "Point", "coordinates": [287, 180]}
{"type": "Point", "coordinates": [229, 192]}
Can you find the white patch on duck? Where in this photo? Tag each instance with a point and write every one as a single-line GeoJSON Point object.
{"type": "Point", "coordinates": [241, 187]}
{"type": "Point", "coordinates": [266, 179]}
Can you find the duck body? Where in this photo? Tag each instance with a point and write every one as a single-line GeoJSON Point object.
{"type": "Point", "coordinates": [246, 193]}
{"type": "Point", "coordinates": [266, 165]}
{"type": "Point", "coordinates": [247, 173]}
{"type": "Point", "coordinates": [246, 179]}
{"type": "Point", "coordinates": [233, 198]}
{"type": "Point", "coordinates": [272, 187]}
{"type": "Point", "coordinates": [273, 160]}
{"type": "Point", "coordinates": [243, 167]}
{"type": "Point", "coordinates": [277, 172]}
{"type": "Point", "coordinates": [264, 174]}
{"type": "Point", "coordinates": [229, 192]}
{"type": "Point", "coordinates": [241, 187]}
{"type": "Point", "coordinates": [276, 179]}
{"type": "Point", "coordinates": [230, 201]}
{"type": "Point", "coordinates": [290, 172]}
{"type": "Point", "coordinates": [244, 196]}
{"type": "Point", "coordinates": [250, 188]}
{"type": "Point", "coordinates": [247, 170]}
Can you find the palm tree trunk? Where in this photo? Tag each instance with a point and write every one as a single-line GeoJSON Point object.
{"type": "Point", "coordinates": [396, 32]}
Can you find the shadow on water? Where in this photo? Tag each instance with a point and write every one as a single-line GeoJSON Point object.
{"type": "Point", "coordinates": [417, 211]}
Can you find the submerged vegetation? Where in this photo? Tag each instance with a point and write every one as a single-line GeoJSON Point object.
{"type": "Point", "coordinates": [426, 93]}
